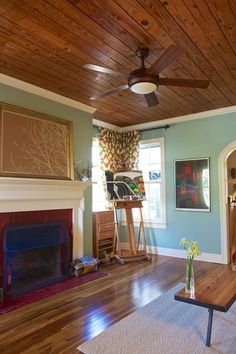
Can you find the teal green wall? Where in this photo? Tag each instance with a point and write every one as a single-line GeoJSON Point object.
{"type": "Point", "coordinates": [205, 137]}
{"type": "Point", "coordinates": [82, 137]}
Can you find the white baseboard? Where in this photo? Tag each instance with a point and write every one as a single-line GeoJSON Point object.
{"type": "Point", "coordinates": [171, 252]}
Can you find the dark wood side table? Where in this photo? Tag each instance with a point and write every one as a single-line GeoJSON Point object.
{"type": "Point", "coordinates": [215, 291]}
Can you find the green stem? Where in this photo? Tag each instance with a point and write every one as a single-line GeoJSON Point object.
{"type": "Point", "coordinates": [190, 271]}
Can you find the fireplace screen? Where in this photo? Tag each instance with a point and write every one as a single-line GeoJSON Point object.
{"type": "Point", "coordinates": [34, 256]}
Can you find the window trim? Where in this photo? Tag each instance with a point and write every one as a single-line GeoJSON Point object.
{"type": "Point", "coordinates": [161, 224]}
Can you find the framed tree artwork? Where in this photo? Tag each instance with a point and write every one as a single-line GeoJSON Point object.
{"type": "Point", "coordinates": [192, 189]}
{"type": "Point", "coordinates": [34, 145]}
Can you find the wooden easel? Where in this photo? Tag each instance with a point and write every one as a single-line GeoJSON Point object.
{"type": "Point", "coordinates": [133, 253]}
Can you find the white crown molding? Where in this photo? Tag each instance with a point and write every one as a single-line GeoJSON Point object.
{"type": "Point", "coordinates": [161, 123]}
{"type": "Point", "coordinates": [180, 119]}
{"type": "Point", "coordinates": [24, 86]}
{"type": "Point", "coordinates": [102, 124]}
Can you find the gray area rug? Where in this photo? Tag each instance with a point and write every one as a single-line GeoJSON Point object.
{"type": "Point", "coordinates": [167, 326]}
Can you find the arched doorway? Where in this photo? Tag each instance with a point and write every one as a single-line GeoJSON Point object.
{"type": "Point", "coordinates": [223, 182]}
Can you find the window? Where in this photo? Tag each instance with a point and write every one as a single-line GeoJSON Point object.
{"type": "Point", "coordinates": [151, 162]}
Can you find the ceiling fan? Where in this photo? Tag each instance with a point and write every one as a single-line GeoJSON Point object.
{"type": "Point", "coordinates": [146, 80]}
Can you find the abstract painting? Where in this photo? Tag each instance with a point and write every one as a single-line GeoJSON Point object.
{"type": "Point", "coordinates": [192, 184]}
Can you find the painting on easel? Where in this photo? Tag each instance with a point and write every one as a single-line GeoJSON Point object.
{"type": "Point", "coordinates": [125, 185]}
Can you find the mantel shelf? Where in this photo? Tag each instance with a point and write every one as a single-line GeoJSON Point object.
{"type": "Point", "coordinates": [40, 189]}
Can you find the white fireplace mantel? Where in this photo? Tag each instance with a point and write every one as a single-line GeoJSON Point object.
{"type": "Point", "coordinates": [26, 194]}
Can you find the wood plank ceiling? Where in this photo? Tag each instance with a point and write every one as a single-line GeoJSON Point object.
{"type": "Point", "coordinates": [46, 43]}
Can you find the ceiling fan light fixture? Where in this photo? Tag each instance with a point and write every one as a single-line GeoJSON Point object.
{"type": "Point", "coordinates": [143, 88]}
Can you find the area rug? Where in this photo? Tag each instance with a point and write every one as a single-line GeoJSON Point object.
{"type": "Point", "coordinates": [167, 326]}
{"type": "Point", "coordinates": [36, 295]}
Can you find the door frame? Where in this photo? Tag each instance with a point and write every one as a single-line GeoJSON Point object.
{"type": "Point", "coordinates": [223, 189]}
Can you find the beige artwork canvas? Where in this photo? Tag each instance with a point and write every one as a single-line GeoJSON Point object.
{"type": "Point", "coordinates": [34, 145]}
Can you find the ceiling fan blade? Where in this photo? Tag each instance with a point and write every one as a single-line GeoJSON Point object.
{"type": "Point", "coordinates": [169, 55]}
{"type": "Point", "coordinates": [103, 70]}
{"type": "Point", "coordinates": [184, 82]}
{"type": "Point", "coordinates": [151, 99]}
{"type": "Point", "coordinates": [117, 89]}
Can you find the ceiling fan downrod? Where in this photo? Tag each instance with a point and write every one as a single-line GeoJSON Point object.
{"type": "Point", "coordinates": [142, 53]}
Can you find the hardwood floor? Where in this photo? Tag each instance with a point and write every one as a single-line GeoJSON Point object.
{"type": "Point", "coordinates": [63, 321]}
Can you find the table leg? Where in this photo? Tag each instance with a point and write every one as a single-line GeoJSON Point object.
{"type": "Point", "coordinates": [209, 328]}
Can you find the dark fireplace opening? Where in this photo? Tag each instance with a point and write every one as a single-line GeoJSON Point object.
{"type": "Point", "coordinates": [34, 256]}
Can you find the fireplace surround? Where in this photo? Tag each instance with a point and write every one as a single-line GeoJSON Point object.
{"type": "Point", "coordinates": [28, 195]}
{"type": "Point", "coordinates": [25, 194]}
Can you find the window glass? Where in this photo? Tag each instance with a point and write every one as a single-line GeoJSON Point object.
{"type": "Point", "coordinates": [97, 179]}
{"type": "Point", "coordinates": [151, 154]}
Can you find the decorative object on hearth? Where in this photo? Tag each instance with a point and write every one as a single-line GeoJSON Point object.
{"type": "Point", "coordinates": [192, 250]}
{"type": "Point", "coordinates": [146, 80]}
{"type": "Point", "coordinates": [84, 265]}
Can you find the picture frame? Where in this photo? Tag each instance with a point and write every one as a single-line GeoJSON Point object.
{"type": "Point", "coordinates": [34, 145]}
{"type": "Point", "coordinates": [192, 184]}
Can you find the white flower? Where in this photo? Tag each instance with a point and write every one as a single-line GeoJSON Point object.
{"type": "Point", "coordinates": [191, 247]}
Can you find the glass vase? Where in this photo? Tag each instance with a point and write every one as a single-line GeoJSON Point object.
{"type": "Point", "coordinates": [189, 284]}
